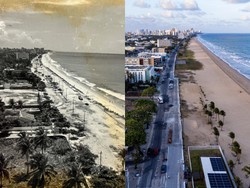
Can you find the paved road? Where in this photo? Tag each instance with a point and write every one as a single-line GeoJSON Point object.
{"type": "Point", "coordinates": [168, 116]}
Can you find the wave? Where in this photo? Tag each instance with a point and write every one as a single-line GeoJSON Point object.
{"type": "Point", "coordinates": [81, 79]}
{"type": "Point", "coordinates": [240, 64]}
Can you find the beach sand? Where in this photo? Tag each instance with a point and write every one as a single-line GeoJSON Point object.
{"type": "Point", "coordinates": [220, 84]}
{"type": "Point", "coordinates": [104, 129]}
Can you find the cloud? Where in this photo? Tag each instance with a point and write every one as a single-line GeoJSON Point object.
{"type": "Point", "coordinates": [16, 36]}
{"type": "Point", "coordinates": [237, 1]}
{"type": "Point", "coordinates": [246, 9]}
{"type": "Point", "coordinates": [142, 18]}
{"type": "Point", "coordinates": [185, 5]}
{"type": "Point", "coordinates": [171, 14]}
{"type": "Point", "coordinates": [141, 4]}
{"type": "Point", "coordinates": [245, 18]}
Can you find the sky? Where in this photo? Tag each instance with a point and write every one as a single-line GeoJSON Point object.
{"type": "Point", "coordinates": [209, 16]}
{"type": "Point", "coordinates": [95, 26]}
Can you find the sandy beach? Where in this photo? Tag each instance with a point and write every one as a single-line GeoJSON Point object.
{"type": "Point", "coordinates": [230, 92]}
{"type": "Point", "coordinates": [104, 129]}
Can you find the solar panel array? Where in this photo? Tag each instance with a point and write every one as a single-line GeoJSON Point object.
{"type": "Point", "coordinates": [219, 180]}
{"type": "Point", "coordinates": [217, 164]}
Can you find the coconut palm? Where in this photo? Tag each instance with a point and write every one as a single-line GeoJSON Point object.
{"type": "Point", "coordinates": [216, 133]}
{"type": "Point", "coordinates": [42, 140]}
{"type": "Point", "coordinates": [4, 173]}
{"type": "Point", "coordinates": [205, 107]}
{"type": "Point", "coordinates": [217, 112]}
{"type": "Point", "coordinates": [220, 124]}
{"type": "Point", "coordinates": [232, 136]}
{"type": "Point", "coordinates": [76, 177]}
{"type": "Point", "coordinates": [12, 103]}
{"type": "Point", "coordinates": [211, 106]}
{"type": "Point", "coordinates": [42, 171]}
{"type": "Point", "coordinates": [223, 113]}
{"type": "Point", "coordinates": [246, 169]}
{"type": "Point", "coordinates": [231, 165]}
{"type": "Point", "coordinates": [20, 104]}
{"type": "Point", "coordinates": [25, 147]}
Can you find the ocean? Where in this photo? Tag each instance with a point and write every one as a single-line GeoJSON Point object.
{"type": "Point", "coordinates": [104, 71]}
{"type": "Point", "coordinates": [234, 49]}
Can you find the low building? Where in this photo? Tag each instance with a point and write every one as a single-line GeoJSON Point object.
{"type": "Point", "coordinates": [136, 73]}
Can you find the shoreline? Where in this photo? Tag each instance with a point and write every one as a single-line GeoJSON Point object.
{"type": "Point", "coordinates": [212, 83]}
{"type": "Point", "coordinates": [104, 128]}
{"type": "Point", "coordinates": [235, 75]}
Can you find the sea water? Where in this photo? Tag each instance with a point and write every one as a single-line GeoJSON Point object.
{"type": "Point", "coordinates": [104, 71]}
{"type": "Point", "coordinates": [234, 49]}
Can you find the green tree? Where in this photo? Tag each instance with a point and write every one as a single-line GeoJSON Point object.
{"type": "Point", "coordinates": [146, 105]}
{"type": "Point", "coordinates": [42, 140]}
{"type": "Point", "coordinates": [223, 113]}
{"type": "Point", "coordinates": [237, 150]}
{"type": "Point", "coordinates": [238, 181]}
{"type": "Point", "coordinates": [75, 177]}
{"type": "Point", "coordinates": [216, 133]}
{"type": "Point", "coordinates": [149, 91]}
{"type": "Point", "coordinates": [246, 169]}
{"type": "Point", "coordinates": [232, 136]}
{"type": "Point", "coordinates": [220, 124]}
{"type": "Point", "coordinates": [25, 146]}
{"type": "Point", "coordinates": [42, 171]}
{"type": "Point", "coordinates": [231, 165]}
{"type": "Point", "coordinates": [4, 172]}
{"type": "Point", "coordinates": [217, 112]}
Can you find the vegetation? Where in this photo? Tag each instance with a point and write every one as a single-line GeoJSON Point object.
{"type": "Point", "coordinates": [149, 91]}
{"type": "Point", "coordinates": [4, 172]}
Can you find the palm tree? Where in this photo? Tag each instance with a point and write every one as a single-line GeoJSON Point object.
{"type": "Point", "coordinates": [42, 140]}
{"type": "Point", "coordinates": [238, 181]}
{"type": "Point", "coordinates": [231, 165]}
{"type": "Point", "coordinates": [220, 124]}
{"type": "Point", "coordinates": [223, 113]}
{"type": "Point", "coordinates": [12, 103]}
{"type": "Point", "coordinates": [232, 136]}
{"type": "Point", "coordinates": [237, 150]}
{"type": "Point", "coordinates": [216, 133]}
{"type": "Point", "coordinates": [205, 107]}
{"type": "Point", "coordinates": [25, 147]}
{"type": "Point", "coordinates": [42, 171]}
{"type": "Point", "coordinates": [20, 104]}
{"type": "Point", "coordinates": [211, 106]}
{"type": "Point", "coordinates": [4, 173]}
{"type": "Point", "coordinates": [76, 177]}
{"type": "Point", "coordinates": [217, 112]}
{"type": "Point", "coordinates": [210, 118]}
{"type": "Point", "coordinates": [247, 170]}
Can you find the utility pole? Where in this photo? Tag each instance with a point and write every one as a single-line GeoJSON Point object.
{"type": "Point", "coordinates": [100, 158]}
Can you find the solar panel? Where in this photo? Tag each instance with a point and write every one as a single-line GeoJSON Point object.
{"type": "Point", "coordinates": [217, 164]}
{"type": "Point", "coordinates": [219, 181]}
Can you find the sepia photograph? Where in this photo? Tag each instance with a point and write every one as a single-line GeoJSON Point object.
{"type": "Point", "coordinates": [62, 99]}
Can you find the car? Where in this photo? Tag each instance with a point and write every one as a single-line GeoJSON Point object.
{"type": "Point", "coordinates": [80, 97]}
{"type": "Point", "coordinates": [163, 169]}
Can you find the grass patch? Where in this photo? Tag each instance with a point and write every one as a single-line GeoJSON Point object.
{"type": "Point", "coordinates": [196, 163]}
{"type": "Point", "coordinates": [191, 62]}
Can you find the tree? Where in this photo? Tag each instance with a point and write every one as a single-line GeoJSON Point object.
{"type": "Point", "coordinates": [107, 178]}
{"type": "Point", "coordinates": [237, 150]}
{"type": "Point", "coordinates": [4, 173]}
{"type": "Point", "coordinates": [231, 165]}
{"type": "Point", "coordinates": [238, 181]}
{"type": "Point", "coordinates": [25, 147]}
{"type": "Point", "coordinates": [12, 103]}
{"type": "Point", "coordinates": [232, 136]}
{"type": "Point", "coordinates": [42, 140]}
{"type": "Point", "coordinates": [246, 169]}
{"type": "Point", "coordinates": [149, 91]}
{"type": "Point", "coordinates": [220, 124]}
{"type": "Point", "coordinates": [75, 177]}
{"type": "Point", "coordinates": [216, 133]}
{"type": "Point", "coordinates": [205, 107]}
{"type": "Point", "coordinates": [20, 104]}
{"type": "Point", "coordinates": [211, 106]}
{"type": "Point", "coordinates": [210, 114]}
{"type": "Point", "coordinates": [42, 171]}
{"type": "Point", "coordinates": [223, 113]}
{"type": "Point", "coordinates": [146, 105]}
{"type": "Point", "coordinates": [217, 112]}
{"type": "Point", "coordinates": [122, 154]}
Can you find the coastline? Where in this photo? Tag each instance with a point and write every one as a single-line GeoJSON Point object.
{"type": "Point", "coordinates": [102, 118]}
{"type": "Point", "coordinates": [215, 81]}
{"type": "Point", "coordinates": [235, 75]}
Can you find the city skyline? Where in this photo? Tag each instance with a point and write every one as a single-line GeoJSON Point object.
{"type": "Point", "coordinates": [215, 16]}
{"type": "Point", "coordinates": [73, 26]}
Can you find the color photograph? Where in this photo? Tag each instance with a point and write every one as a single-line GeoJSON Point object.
{"type": "Point", "coordinates": [187, 90]}
{"type": "Point", "coordinates": [62, 99]}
